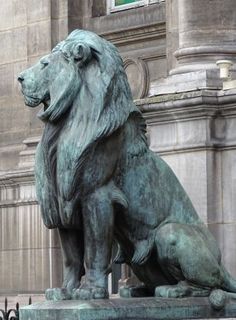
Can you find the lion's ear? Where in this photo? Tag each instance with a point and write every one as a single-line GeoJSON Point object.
{"type": "Point", "coordinates": [82, 53]}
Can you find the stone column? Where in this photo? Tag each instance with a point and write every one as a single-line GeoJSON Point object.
{"type": "Point", "coordinates": [206, 34]}
{"type": "Point", "coordinates": [172, 33]}
{"type": "Point", "coordinates": [199, 33]}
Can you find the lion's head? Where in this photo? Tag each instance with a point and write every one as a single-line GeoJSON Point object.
{"type": "Point", "coordinates": [84, 64]}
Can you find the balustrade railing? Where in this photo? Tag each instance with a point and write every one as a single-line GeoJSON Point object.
{"type": "Point", "coordinates": [11, 313]}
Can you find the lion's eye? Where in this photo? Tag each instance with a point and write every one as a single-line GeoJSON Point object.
{"type": "Point", "coordinates": [44, 63]}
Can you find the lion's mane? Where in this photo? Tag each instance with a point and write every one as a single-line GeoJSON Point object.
{"type": "Point", "coordinates": [90, 107]}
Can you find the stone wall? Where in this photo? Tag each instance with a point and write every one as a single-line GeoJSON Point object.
{"type": "Point", "coordinates": [30, 257]}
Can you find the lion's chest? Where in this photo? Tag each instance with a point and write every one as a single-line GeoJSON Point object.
{"type": "Point", "coordinates": [81, 169]}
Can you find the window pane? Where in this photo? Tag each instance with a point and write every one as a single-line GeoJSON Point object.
{"type": "Point", "coordinates": [121, 2]}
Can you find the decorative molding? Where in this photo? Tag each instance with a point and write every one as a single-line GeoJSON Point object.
{"type": "Point", "coordinates": [18, 203]}
{"type": "Point", "coordinates": [205, 51]}
{"type": "Point", "coordinates": [205, 105]}
{"type": "Point", "coordinates": [162, 151]}
{"type": "Point", "coordinates": [179, 106]}
{"type": "Point", "coordinates": [189, 58]}
{"type": "Point", "coordinates": [143, 70]}
{"type": "Point", "coordinates": [27, 156]}
{"type": "Point", "coordinates": [201, 102]}
{"type": "Point", "coordinates": [186, 82]}
{"type": "Point", "coordinates": [17, 188]}
{"type": "Point", "coordinates": [16, 176]}
{"type": "Point", "coordinates": [152, 57]}
{"type": "Point", "coordinates": [136, 34]}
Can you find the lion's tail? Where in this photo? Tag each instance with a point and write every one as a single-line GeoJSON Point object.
{"type": "Point", "coordinates": [218, 297]}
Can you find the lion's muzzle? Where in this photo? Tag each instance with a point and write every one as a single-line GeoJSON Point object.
{"type": "Point", "coordinates": [20, 78]}
{"type": "Point", "coordinates": [28, 90]}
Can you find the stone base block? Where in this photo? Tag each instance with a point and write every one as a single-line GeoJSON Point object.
{"type": "Point", "coordinates": [189, 81]}
{"type": "Point", "coordinates": [127, 309]}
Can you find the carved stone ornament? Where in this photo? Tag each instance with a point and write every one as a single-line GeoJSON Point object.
{"type": "Point", "coordinates": [138, 77]}
{"type": "Point", "coordinates": [98, 182]}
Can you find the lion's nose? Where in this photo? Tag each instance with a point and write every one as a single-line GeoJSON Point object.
{"type": "Point", "coordinates": [20, 78]}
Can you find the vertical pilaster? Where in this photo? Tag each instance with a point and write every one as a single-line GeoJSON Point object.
{"type": "Point", "coordinates": [206, 34]}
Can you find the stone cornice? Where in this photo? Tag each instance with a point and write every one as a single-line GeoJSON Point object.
{"type": "Point", "coordinates": [193, 148]}
{"type": "Point", "coordinates": [183, 106]}
{"type": "Point", "coordinates": [206, 105]}
{"type": "Point", "coordinates": [17, 203]}
{"type": "Point", "coordinates": [12, 188]}
{"type": "Point", "coordinates": [136, 34]}
{"type": "Point", "coordinates": [205, 50]}
{"type": "Point", "coordinates": [14, 177]}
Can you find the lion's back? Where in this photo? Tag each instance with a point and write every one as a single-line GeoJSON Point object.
{"type": "Point", "coordinates": [154, 193]}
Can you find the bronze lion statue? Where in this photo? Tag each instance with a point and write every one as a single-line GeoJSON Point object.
{"type": "Point", "coordinates": [98, 182]}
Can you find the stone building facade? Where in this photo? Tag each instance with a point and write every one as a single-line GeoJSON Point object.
{"type": "Point", "coordinates": [170, 49]}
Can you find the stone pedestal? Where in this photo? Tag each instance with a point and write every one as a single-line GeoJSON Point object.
{"type": "Point", "coordinates": [127, 309]}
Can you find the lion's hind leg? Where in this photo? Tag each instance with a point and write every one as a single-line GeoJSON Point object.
{"type": "Point", "coordinates": [187, 256]}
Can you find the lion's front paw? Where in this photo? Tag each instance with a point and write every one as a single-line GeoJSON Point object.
{"type": "Point", "coordinates": [87, 293]}
{"type": "Point", "coordinates": [58, 294]}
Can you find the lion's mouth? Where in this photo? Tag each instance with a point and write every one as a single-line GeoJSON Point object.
{"type": "Point", "coordinates": [31, 101]}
